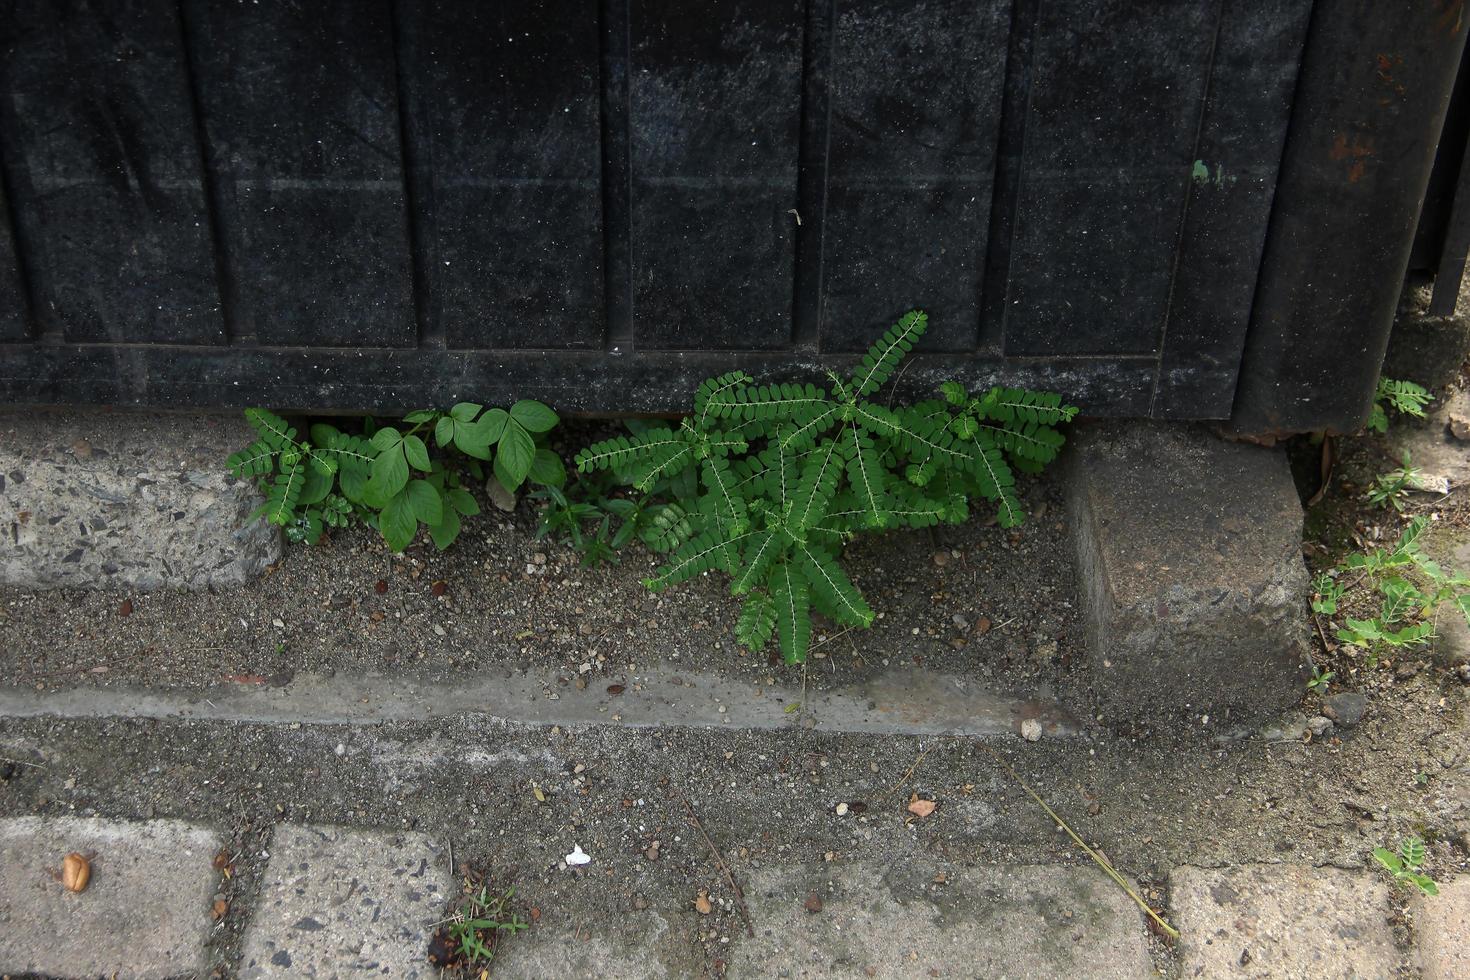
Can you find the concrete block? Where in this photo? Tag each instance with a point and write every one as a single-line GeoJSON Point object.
{"type": "Point", "coordinates": [643, 946]}
{"type": "Point", "coordinates": [1192, 580]}
{"type": "Point", "coordinates": [1283, 920]}
{"type": "Point", "coordinates": [145, 913]}
{"type": "Point", "coordinates": [1442, 925]}
{"type": "Point", "coordinates": [336, 902]}
{"type": "Point", "coordinates": [899, 921]}
{"type": "Point", "coordinates": [95, 498]}
{"type": "Point", "coordinates": [1425, 349]}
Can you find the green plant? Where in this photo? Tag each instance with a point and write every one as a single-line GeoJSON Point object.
{"type": "Point", "coordinates": [1320, 680]}
{"type": "Point", "coordinates": [475, 927]}
{"type": "Point", "coordinates": [1404, 865]}
{"type": "Point", "coordinates": [1410, 586]}
{"type": "Point", "coordinates": [389, 476]}
{"type": "Point", "coordinates": [1391, 489]}
{"type": "Point", "coordinates": [1402, 396]}
{"type": "Point", "coordinates": [780, 477]}
{"type": "Point", "coordinates": [597, 522]}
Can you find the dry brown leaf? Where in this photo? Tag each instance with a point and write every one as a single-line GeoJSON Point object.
{"type": "Point", "coordinates": [76, 872]}
{"type": "Point", "coordinates": [920, 808]}
{"type": "Point", "coordinates": [702, 903]}
{"type": "Point", "coordinates": [220, 908]}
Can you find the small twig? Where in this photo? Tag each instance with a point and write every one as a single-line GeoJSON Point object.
{"type": "Point", "coordinates": [829, 639]}
{"type": "Point", "coordinates": [1326, 648]}
{"type": "Point", "coordinates": [720, 864]}
{"type": "Point", "coordinates": [18, 762]}
{"type": "Point", "coordinates": [906, 776]}
{"type": "Point", "coordinates": [1097, 858]}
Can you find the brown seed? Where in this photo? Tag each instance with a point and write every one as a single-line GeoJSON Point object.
{"type": "Point", "coordinates": [439, 588]}
{"type": "Point", "coordinates": [220, 908]}
{"type": "Point", "coordinates": [380, 587]}
{"type": "Point", "coordinates": [125, 608]}
{"type": "Point", "coordinates": [982, 625]}
{"type": "Point", "coordinates": [76, 872]}
{"type": "Point", "coordinates": [702, 903]}
{"type": "Point", "coordinates": [814, 902]}
{"type": "Point", "coordinates": [615, 689]}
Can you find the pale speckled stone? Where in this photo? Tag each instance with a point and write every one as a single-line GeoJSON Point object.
{"type": "Point", "coordinates": [1442, 925]}
{"type": "Point", "coordinates": [1283, 922]}
{"type": "Point", "coordinates": [143, 501]}
{"type": "Point", "coordinates": [889, 921]}
{"type": "Point", "coordinates": [337, 902]}
{"type": "Point", "coordinates": [145, 912]}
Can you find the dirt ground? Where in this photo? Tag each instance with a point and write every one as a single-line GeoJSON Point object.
{"type": "Point", "coordinates": [972, 599]}
{"type": "Point", "coordinates": [1151, 801]}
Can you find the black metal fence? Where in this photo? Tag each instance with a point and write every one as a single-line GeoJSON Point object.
{"type": "Point", "coordinates": [383, 204]}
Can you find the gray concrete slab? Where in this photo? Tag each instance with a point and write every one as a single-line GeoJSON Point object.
{"type": "Point", "coordinates": [145, 912]}
{"type": "Point", "coordinates": [910, 702]}
{"type": "Point", "coordinates": [922, 920]}
{"type": "Point", "coordinates": [336, 902]}
{"type": "Point", "coordinates": [101, 498]}
{"type": "Point", "coordinates": [645, 945]}
{"type": "Point", "coordinates": [1283, 922]}
{"type": "Point", "coordinates": [1193, 584]}
{"type": "Point", "coordinates": [1442, 928]}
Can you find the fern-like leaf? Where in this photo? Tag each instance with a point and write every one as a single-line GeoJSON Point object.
{"type": "Point", "coordinates": [256, 459]}
{"type": "Point", "coordinates": [720, 481]}
{"type": "Point", "coordinates": [762, 549]}
{"type": "Point", "coordinates": [830, 583]}
{"type": "Point", "coordinates": [867, 477]}
{"type": "Point", "coordinates": [282, 495]}
{"type": "Point", "coordinates": [817, 485]}
{"type": "Point", "coordinates": [706, 552]}
{"type": "Point", "coordinates": [996, 481]}
{"type": "Point", "coordinates": [622, 451]}
{"type": "Point", "coordinates": [1019, 404]}
{"type": "Point", "coordinates": [802, 434]}
{"type": "Point", "coordinates": [272, 429]}
{"type": "Point", "coordinates": [716, 397]}
{"type": "Point", "coordinates": [793, 612]}
{"type": "Point", "coordinates": [879, 362]}
{"type": "Point", "coordinates": [668, 527]}
{"type": "Point", "coordinates": [1026, 440]}
{"type": "Point", "coordinates": [757, 622]}
{"type": "Point", "coordinates": [783, 401]}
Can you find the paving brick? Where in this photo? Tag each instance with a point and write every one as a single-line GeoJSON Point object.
{"type": "Point", "coordinates": [1283, 922]}
{"type": "Point", "coordinates": [643, 945]}
{"type": "Point", "coordinates": [1442, 925]}
{"type": "Point", "coordinates": [1192, 580]}
{"type": "Point", "coordinates": [335, 902]}
{"type": "Point", "coordinates": [897, 921]}
{"type": "Point", "coordinates": [145, 912]}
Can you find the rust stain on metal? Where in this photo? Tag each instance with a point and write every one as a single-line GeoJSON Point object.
{"type": "Point", "coordinates": [1451, 17]}
{"type": "Point", "coordinates": [1358, 151]}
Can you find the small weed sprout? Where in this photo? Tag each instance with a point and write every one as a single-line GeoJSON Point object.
{"type": "Point", "coordinates": [1391, 489]}
{"type": "Point", "coordinates": [474, 929]}
{"type": "Point", "coordinates": [1403, 397]}
{"type": "Point", "coordinates": [1404, 865]}
{"type": "Point", "coordinates": [1411, 588]}
{"type": "Point", "coordinates": [1319, 680]}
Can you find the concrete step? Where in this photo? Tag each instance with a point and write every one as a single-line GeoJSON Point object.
{"type": "Point", "coordinates": [895, 702]}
